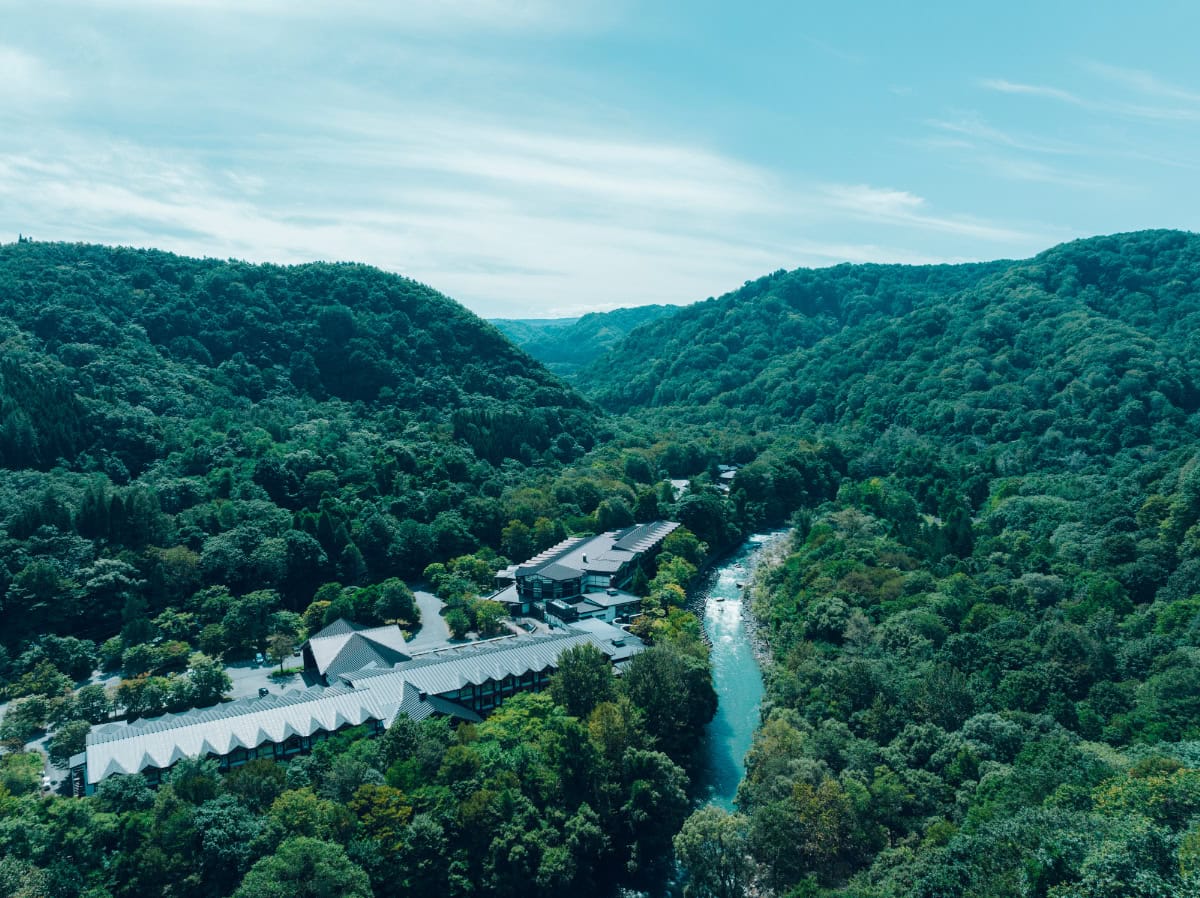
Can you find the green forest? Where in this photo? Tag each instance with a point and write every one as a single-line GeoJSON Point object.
{"type": "Point", "coordinates": [568, 345]}
{"type": "Point", "coordinates": [983, 638]}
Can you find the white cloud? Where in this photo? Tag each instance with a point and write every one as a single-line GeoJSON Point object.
{"type": "Point", "coordinates": [1108, 106]}
{"type": "Point", "coordinates": [899, 207]}
{"type": "Point", "coordinates": [975, 127]}
{"type": "Point", "coordinates": [1036, 90]}
{"type": "Point", "coordinates": [1144, 82]}
{"type": "Point", "coordinates": [25, 80]}
{"type": "Point", "coordinates": [431, 16]}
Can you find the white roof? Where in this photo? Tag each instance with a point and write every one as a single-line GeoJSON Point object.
{"type": "Point", "coordinates": [472, 666]}
{"type": "Point", "coordinates": [606, 553]}
{"type": "Point", "coordinates": [411, 688]}
{"type": "Point", "coordinates": [245, 723]}
{"type": "Point", "coordinates": [345, 646]}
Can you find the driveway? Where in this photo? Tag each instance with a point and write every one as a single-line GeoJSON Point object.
{"type": "Point", "coordinates": [434, 633]}
{"type": "Point", "coordinates": [249, 677]}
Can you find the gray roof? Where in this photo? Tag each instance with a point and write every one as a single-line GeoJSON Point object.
{"type": "Point", "coordinates": [339, 627]}
{"type": "Point", "coordinates": [621, 645]}
{"type": "Point", "coordinates": [645, 536]}
{"type": "Point", "coordinates": [606, 553]}
{"type": "Point", "coordinates": [552, 554]}
{"type": "Point", "coordinates": [345, 646]}
{"type": "Point", "coordinates": [604, 600]}
{"type": "Point", "coordinates": [358, 652]}
{"type": "Point", "coordinates": [411, 688]}
{"type": "Point", "coordinates": [443, 673]}
{"type": "Point", "coordinates": [558, 571]}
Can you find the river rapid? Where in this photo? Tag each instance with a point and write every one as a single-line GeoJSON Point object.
{"type": "Point", "coordinates": [737, 676]}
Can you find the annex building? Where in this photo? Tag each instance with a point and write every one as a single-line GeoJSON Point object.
{"type": "Point", "coordinates": [464, 682]}
{"type": "Point", "coordinates": [583, 577]}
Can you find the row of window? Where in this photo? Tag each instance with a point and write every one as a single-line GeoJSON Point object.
{"type": "Point", "coordinates": [276, 751]}
{"type": "Point", "coordinates": [539, 588]}
{"type": "Point", "coordinates": [491, 693]}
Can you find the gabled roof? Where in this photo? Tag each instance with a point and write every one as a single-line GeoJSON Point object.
{"type": "Point", "coordinates": [361, 651]}
{"type": "Point", "coordinates": [644, 536]}
{"type": "Point", "coordinates": [411, 688]}
{"type": "Point", "coordinates": [606, 553]}
{"type": "Point", "coordinates": [558, 571]}
{"type": "Point", "coordinates": [451, 669]}
{"type": "Point", "coordinates": [345, 646]}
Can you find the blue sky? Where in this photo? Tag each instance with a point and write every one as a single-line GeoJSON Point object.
{"type": "Point", "coordinates": [535, 158]}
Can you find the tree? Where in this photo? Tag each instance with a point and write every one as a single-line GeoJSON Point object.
{"type": "Point", "coordinates": [714, 850]}
{"type": "Point", "coordinates": [301, 812]}
{"type": "Point", "coordinates": [196, 780]}
{"type": "Point", "coordinates": [423, 864]}
{"type": "Point", "coordinates": [280, 647]}
{"type": "Point", "coordinates": [69, 739]}
{"type": "Point", "coordinates": [21, 879]}
{"type": "Point", "coordinates": [396, 602]}
{"type": "Point", "coordinates": [258, 783]}
{"type": "Point", "coordinates": [489, 617]}
{"type": "Point", "coordinates": [684, 544]}
{"type": "Point", "coordinates": [458, 622]}
{"type": "Point", "coordinates": [207, 680]}
{"type": "Point", "coordinates": [383, 815]}
{"type": "Point", "coordinates": [675, 692]}
{"type": "Point", "coordinates": [655, 807]}
{"type": "Point", "coordinates": [516, 541]}
{"type": "Point", "coordinates": [124, 792]}
{"type": "Point", "coordinates": [23, 719]}
{"type": "Point", "coordinates": [228, 833]}
{"type": "Point", "coordinates": [304, 867]}
{"type": "Point", "coordinates": [583, 680]}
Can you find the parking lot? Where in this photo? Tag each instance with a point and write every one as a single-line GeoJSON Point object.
{"type": "Point", "coordinates": [250, 676]}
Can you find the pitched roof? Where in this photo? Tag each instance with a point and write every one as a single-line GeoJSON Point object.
{"type": "Point", "coordinates": [411, 688]}
{"type": "Point", "coordinates": [250, 722]}
{"type": "Point", "coordinates": [558, 571]}
{"type": "Point", "coordinates": [450, 670]}
{"type": "Point", "coordinates": [605, 553]}
{"type": "Point", "coordinates": [345, 646]}
{"type": "Point", "coordinates": [644, 536]}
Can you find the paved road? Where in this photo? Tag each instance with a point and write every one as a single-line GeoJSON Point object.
{"type": "Point", "coordinates": [434, 633]}
{"type": "Point", "coordinates": [249, 677]}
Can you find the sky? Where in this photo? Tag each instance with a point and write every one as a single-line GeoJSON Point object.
{"type": "Point", "coordinates": [545, 158]}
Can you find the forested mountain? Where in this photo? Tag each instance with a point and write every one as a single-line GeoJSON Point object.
{"type": "Point", "coordinates": [985, 636]}
{"type": "Point", "coordinates": [175, 423]}
{"type": "Point", "coordinates": [201, 460]}
{"type": "Point", "coordinates": [525, 330]}
{"type": "Point", "coordinates": [565, 345]}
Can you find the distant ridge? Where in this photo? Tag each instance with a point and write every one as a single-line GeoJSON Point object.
{"type": "Point", "coordinates": [565, 345]}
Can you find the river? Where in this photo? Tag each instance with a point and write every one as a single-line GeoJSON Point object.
{"type": "Point", "coordinates": [737, 677]}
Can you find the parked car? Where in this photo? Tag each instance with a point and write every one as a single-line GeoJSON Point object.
{"type": "Point", "coordinates": [259, 659]}
{"type": "Point", "coordinates": [263, 691]}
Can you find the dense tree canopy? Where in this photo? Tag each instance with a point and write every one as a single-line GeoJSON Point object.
{"type": "Point", "coordinates": [982, 638]}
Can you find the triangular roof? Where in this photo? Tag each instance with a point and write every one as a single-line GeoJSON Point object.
{"type": "Point", "coordinates": [345, 646]}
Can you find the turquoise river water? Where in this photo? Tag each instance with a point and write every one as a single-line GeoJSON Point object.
{"type": "Point", "coordinates": [736, 674]}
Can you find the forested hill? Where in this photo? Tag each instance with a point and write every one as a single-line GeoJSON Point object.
{"type": "Point", "coordinates": [169, 423]}
{"type": "Point", "coordinates": [985, 632]}
{"type": "Point", "coordinates": [1088, 346]}
{"type": "Point", "coordinates": [567, 345]}
{"type": "Point", "coordinates": [105, 348]}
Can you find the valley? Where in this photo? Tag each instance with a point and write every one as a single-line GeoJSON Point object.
{"type": "Point", "coordinates": [981, 627]}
